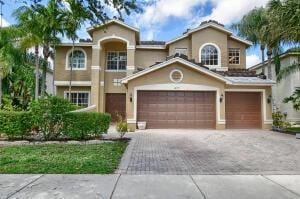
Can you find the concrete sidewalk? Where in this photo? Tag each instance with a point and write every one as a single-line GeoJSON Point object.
{"type": "Point", "coordinates": [150, 186]}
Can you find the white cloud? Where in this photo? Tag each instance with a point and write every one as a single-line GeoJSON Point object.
{"type": "Point", "coordinates": [252, 60]}
{"type": "Point", "coordinates": [5, 23]}
{"type": "Point", "coordinates": [225, 11]}
{"type": "Point", "coordinates": [228, 11]}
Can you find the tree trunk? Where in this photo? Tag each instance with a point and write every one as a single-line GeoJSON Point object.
{"type": "Point", "coordinates": [269, 54]}
{"type": "Point", "coordinates": [71, 69]}
{"type": "Point", "coordinates": [37, 72]}
{"type": "Point", "coordinates": [262, 48]}
{"type": "Point", "coordinates": [46, 53]}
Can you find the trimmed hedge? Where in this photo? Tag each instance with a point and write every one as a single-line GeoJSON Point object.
{"type": "Point", "coordinates": [15, 124]}
{"type": "Point", "coordinates": [82, 125]}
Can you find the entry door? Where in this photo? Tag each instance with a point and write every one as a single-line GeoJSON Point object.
{"type": "Point", "coordinates": [116, 105]}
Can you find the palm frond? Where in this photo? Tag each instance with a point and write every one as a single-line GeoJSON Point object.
{"type": "Point", "coordinates": [284, 73]}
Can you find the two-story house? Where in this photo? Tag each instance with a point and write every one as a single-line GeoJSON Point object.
{"type": "Point", "coordinates": [198, 80]}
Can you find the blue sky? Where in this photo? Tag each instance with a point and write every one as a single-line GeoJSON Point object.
{"type": "Point", "coordinates": [167, 19]}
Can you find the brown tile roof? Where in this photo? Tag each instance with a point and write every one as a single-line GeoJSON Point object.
{"type": "Point", "coordinates": [229, 73]}
{"type": "Point", "coordinates": [152, 43]}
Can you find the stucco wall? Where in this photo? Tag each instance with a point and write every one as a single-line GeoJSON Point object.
{"type": "Point", "coordinates": [145, 58]}
{"type": "Point", "coordinates": [183, 43]}
{"type": "Point", "coordinates": [210, 35]}
{"type": "Point", "coordinates": [234, 44]}
{"type": "Point", "coordinates": [61, 74]}
{"type": "Point", "coordinates": [285, 88]}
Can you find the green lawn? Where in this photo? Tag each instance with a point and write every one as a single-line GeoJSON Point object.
{"type": "Point", "coordinates": [69, 159]}
{"type": "Point", "coordinates": [294, 129]}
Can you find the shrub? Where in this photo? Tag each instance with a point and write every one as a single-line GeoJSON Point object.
{"type": "Point", "coordinates": [278, 121]}
{"type": "Point", "coordinates": [122, 126]}
{"type": "Point", "coordinates": [15, 124]}
{"type": "Point", "coordinates": [47, 115]}
{"type": "Point", "coordinates": [80, 126]}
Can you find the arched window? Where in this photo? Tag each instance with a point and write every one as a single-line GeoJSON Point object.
{"type": "Point", "coordinates": [78, 61]}
{"type": "Point", "coordinates": [210, 55]}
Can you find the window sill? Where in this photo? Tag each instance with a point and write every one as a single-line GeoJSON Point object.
{"type": "Point", "coordinates": [116, 71]}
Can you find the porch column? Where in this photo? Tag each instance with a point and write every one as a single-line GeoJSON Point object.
{"type": "Point", "coordinates": [95, 77]}
{"type": "Point", "coordinates": [130, 60]}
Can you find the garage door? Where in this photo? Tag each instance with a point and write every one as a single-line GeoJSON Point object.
{"type": "Point", "coordinates": [177, 109]}
{"type": "Point", "coordinates": [243, 110]}
{"type": "Point", "coordinates": [116, 104]}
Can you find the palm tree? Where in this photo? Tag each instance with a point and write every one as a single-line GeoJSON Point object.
{"type": "Point", "coordinates": [284, 18]}
{"type": "Point", "coordinates": [30, 35]}
{"type": "Point", "coordinates": [75, 16]}
{"type": "Point", "coordinates": [251, 27]}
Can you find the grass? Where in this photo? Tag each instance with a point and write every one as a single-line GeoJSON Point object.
{"type": "Point", "coordinates": [61, 159]}
{"type": "Point", "coordinates": [294, 129]}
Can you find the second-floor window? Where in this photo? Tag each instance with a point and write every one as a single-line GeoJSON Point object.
{"type": "Point", "coordinates": [78, 60]}
{"type": "Point", "coordinates": [181, 51]}
{"type": "Point", "coordinates": [210, 55]}
{"type": "Point", "coordinates": [234, 56]}
{"type": "Point", "coordinates": [116, 60]}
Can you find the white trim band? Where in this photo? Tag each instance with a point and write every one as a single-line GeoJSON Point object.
{"type": "Point", "coordinates": [96, 68]}
{"type": "Point", "coordinates": [73, 83]}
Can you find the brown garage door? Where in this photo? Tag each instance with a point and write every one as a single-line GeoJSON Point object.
{"type": "Point", "coordinates": [116, 104]}
{"type": "Point", "coordinates": [243, 110]}
{"type": "Point", "coordinates": [177, 109]}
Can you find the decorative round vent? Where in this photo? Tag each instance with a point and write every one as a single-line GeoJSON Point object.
{"type": "Point", "coordinates": [176, 76]}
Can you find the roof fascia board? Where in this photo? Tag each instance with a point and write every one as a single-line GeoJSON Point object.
{"type": "Point", "coordinates": [163, 47]}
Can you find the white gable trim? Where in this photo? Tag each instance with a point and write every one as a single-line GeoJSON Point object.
{"type": "Point", "coordinates": [114, 21]}
{"type": "Point", "coordinates": [206, 26]}
{"type": "Point", "coordinates": [173, 60]}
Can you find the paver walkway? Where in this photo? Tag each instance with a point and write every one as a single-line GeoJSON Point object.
{"type": "Point", "coordinates": [149, 187]}
{"type": "Point", "coordinates": [197, 152]}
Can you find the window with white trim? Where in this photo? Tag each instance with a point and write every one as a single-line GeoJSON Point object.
{"type": "Point", "coordinates": [79, 98]}
{"type": "Point", "coordinates": [210, 55]}
{"type": "Point", "coordinates": [117, 82]}
{"type": "Point", "coordinates": [181, 51]}
{"type": "Point", "coordinates": [78, 60]}
{"type": "Point", "coordinates": [116, 60]}
{"type": "Point", "coordinates": [234, 56]}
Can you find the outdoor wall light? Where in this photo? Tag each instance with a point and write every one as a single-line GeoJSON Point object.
{"type": "Point", "coordinates": [269, 99]}
{"type": "Point", "coordinates": [221, 97]}
{"type": "Point", "coordinates": [130, 97]}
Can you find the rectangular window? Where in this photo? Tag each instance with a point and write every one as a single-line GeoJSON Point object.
{"type": "Point", "coordinates": [117, 82]}
{"type": "Point", "coordinates": [234, 56]}
{"type": "Point", "coordinates": [116, 60]}
{"type": "Point", "coordinates": [181, 51]}
{"type": "Point", "coordinates": [79, 98]}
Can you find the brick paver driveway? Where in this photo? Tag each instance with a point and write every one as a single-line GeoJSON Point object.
{"type": "Point", "coordinates": [211, 152]}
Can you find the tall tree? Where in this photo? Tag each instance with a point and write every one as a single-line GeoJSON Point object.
{"type": "Point", "coordinates": [30, 34]}
{"type": "Point", "coordinates": [285, 17]}
{"type": "Point", "coordinates": [252, 27]}
{"type": "Point", "coordinates": [75, 16]}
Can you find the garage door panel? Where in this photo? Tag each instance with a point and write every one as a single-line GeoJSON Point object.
{"type": "Point", "coordinates": [177, 109]}
{"type": "Point", "coordinates": [243, 110]}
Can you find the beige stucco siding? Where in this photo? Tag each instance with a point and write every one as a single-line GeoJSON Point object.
{"type": "Point", "coordinates": [109, 85]}
{"type": "Point", "coordinates": [61, 74]}
{"type": "Point", "coordinates": [242, 47]}
{"type": "Point", "coordinates": [115, 31]}
{"type": "Point", "coordinates": [183, 43]}
{"type": "Point", "coordinates": [145, 58]}
{"type": "Point", "coordinates": [210, 35]}
{"type": "Point", "coordinates": [61, 89]}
